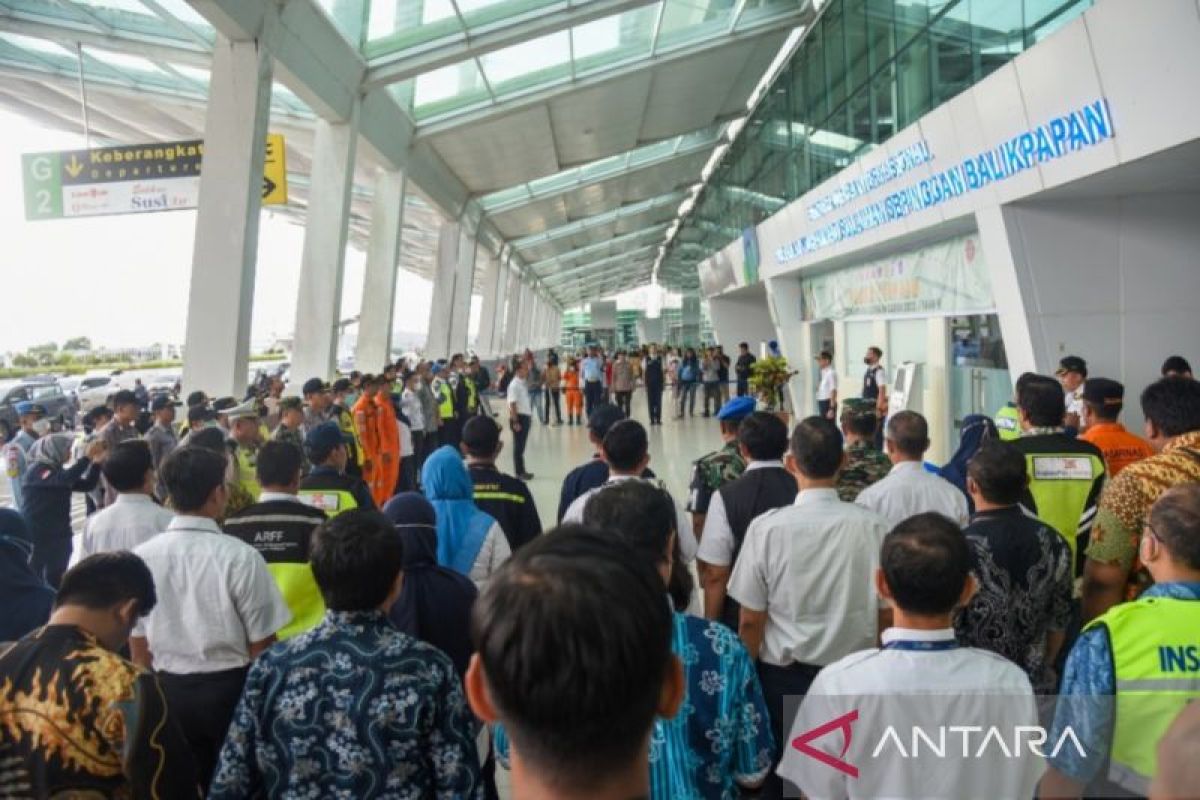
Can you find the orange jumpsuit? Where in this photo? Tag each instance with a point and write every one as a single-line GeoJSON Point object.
{"type": "Point", "coordinates": [366, 422]}
{"type": "Point", "coordinates": [389, 448]}
{"type": "Point", "coordinates": [574, 396]}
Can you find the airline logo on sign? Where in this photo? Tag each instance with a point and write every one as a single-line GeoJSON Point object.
{"type": "Point", "coordinates": [131, 179]}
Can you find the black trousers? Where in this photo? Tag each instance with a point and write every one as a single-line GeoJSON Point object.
{"type": "Point", "coordinates": [823, 408]}
{"type": "Point", "coordinates": [204, 702]}
{"type": "Point", "coordinates": [778, 684]}
{"type": "Point", "coordinates": [593, 391]}
{"type": "Point", "coordinates": [654, 402]}
{"type": "Point", "coordinates": [743, 387]}
{"type": "Point", "coordinates": [50, 556]}
{"type": "Point", "coordinates": [712, 391]}
{"type": "Point", "coordinates": [450, 433]}
{"type": "Point", "coordinates": [552, 396]}
{"type": "Point", "coordinates": [624, 401]}
{"type": "Point", "coordinates": [519, 439]}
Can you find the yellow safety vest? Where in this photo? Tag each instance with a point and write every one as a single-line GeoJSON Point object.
{"type": "Point", "coordinates": [302, 595]}
{"type": "Point", "coordinates": [247, 476]}
{"type": "Point", "coordinates": [1008, 423]}
{"type": "Point", "coordinates": [1156, 659]}
{"type": "Point", "coordinates": [345, 421]}
{"type": "Point", "coordinates": [446, 401]}
{"type": "Point", "coordinates": [331, 501]}
{"type": "Point", "coordinates": [472, 393]}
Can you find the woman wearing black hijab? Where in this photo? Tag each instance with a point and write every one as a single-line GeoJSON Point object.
{"type": "Point", "coordinates": [47, 489]}
{"type": "Point", "coordinates": [435, 602]}
{"type": "Point", "coordinates": [24, 596]}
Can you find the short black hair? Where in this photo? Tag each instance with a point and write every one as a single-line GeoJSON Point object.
{"type": "Point", "coordinates": [1175, 520]}
{"type": "Point", "coordinates": [575, 643]}
{"type": "Point", "coordinates": [909, 431]}
{"type": "Point", "coordinates": [643, 514]}
{"type": "Point", "coordinates": [191, 474]}
{"type": "Point", "coordinates": [355, 559]}
{"type": "Point", "coordinates": [1109, 412]}
{"type": "Point", "coordinates": [209, 439]}
{"type": "Point", "coordinates": [481, 436]}
{"type": "Point", "coordinates": [103, 580]}
{"type": "Point", "coordinates": [764, 436]}
{"type": "Point", "coordinates": [1175, 365]}
{"type": "Point", "coordinates": [816, 445]}
{"type": "Point", "coordinates": [925, 561]}
{"type": "Point", "coordinates": [625, 445]}
{"type": "Point", "coordinates": [1042, 400]}
{"type": "Point", "coordinates": [878, 353]}
{"type": "Point", "coordinates": [999, 469]}
{"type": "Point", "coordinates": [860, 423]}
{"type": "Point", "coordinates": [126, 465]}
{"type": "Point", "coordinates": [1173, 405]}
{"type": "Point", "coordinates": [278, 463]}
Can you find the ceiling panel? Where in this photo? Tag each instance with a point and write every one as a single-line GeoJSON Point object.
{"type": "Point", "coordinates": [501, 153]}
{"type": "Point", "coordinates": [600, 121]}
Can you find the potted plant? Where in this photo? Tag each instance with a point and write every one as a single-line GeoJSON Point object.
{"type": "Point", "coordinates": [768, 376]}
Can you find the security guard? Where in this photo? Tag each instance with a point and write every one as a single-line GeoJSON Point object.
{"type": "Point", "coordinates": [328, 486]}
{"type": "Point", "coordinates": [503, 497]}
{"type": "Point", "coordinates": [343, 399]}
{"type": "Point", "coordinates": [712, 471]}
{"type": "Point", "coordinates": [1008, 419]}
{"type": "Point", "coordinates": [1137, 662]}
{"type": "Point", "coordinates": [291, 427]}
{"type": "Point", "coordinates": [245, 433]}
{"type": "Point", "coordinates": [865, 464]}
{"type": "Point", "coordinates": [449, 433]}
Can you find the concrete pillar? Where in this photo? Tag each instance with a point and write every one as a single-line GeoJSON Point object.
{"type": "Point", "coordinates": [437, 343]}
{"type": "Point", "coordinates": [464, 278]}
{"type": "Point", "coordinates": [503, 277]}
{"type": "Point", "coordinates": [512, 311]}
{"type": "Point", "coordinates": [375, 321]}
{"type": "Point", "coordinates": [535, 321]}
{"type": "Point", "coordinates": [649, 329]}
{"type": "Point", "coordinates": [221, 296]}
{"type": "Point", "coordinates": [323, 261]}
{"type": "Point", "coordinates": [525, 320]}
{"type": "Point", "coordinates": [485, 343]}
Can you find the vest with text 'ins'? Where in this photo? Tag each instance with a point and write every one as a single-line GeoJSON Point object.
{"type": "Point", "coordinates": [1156, 659]}
{"type": "Point", "coordinates": [445, 400]}
{"type": "Point", "coordinates": [756, 492]}
{"type": "Point", "coordinates": [1008, 423]}
{"type": "Point", "coordinates": [331, 501]}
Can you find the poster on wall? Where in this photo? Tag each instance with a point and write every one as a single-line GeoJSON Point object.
{"type": "Point", "coordinates": [946, 278]}
{"type": "Point", "coordinates": [750, 256]}
{"type": "Point", "coordinates": [716, 274]}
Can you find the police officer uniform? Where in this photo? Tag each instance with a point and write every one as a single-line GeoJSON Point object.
{"type": "Point", "coordinates": [712, 471]}
{"type": "Point", "coordinates": [245, 462]}
{"type": "Point", "coordinates": [293, 436]}
{"type": "Point", "coordinates": [1008, 422]}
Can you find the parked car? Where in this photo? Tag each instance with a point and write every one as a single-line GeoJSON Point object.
{"type": "Point", "coordinates": [96, 390]}
{"type": "Point", "coordinates": [59, 408]}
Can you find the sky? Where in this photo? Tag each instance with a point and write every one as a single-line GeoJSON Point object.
{"type": "Point", "coordinates": [123, 281]}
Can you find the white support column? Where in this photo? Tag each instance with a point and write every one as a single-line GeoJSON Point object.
{"type": "Point", "coordinates": [504, 276]}
{"type": "Point", "coordinates": [437, 343]}
{"type": "Point", "coordinates": [221, 296]}
{"type": "Point", "coordinates": [512, 313]}
{"type": "Point", "coordinates": [535, 319]}
{"type": "Point", "coordinates": [525, 320]}
{"type": "Point", "coordinates": [464, 278]}
{"type": "Point", "coordinates": [485, 343]}
{"type": "Point", "coordinates": [323, 261]}
{"type": "Point", "coordinates": [375, 321]}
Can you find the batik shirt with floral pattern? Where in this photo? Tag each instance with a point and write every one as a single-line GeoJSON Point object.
{"type": "Point", "coordinates": [353, 708]}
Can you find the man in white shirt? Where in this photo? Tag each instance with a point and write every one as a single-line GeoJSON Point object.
{"type": "Point", "coordinates": [827, 389]}
{"type": "Point", "coordinates": [920, 679]}
{"type": "Point", "coordinates": [804, 577]}
{"type": "Point", "coordinates": [520, 415]}
{"type": "Point", "coordinates": [134, 517]}
{"type": "Point", "coordinates": [909, 489]}
{"type": "Point", "coordinates": [626, 450]}
{"type": "Point", "coordinates": [218, 606]}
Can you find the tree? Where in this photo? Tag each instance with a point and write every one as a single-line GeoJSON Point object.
{"type": "Point", "coordinates": [24, 360]}
{"type": "Point", "coordinates": [78, 343]}
{"type": "Point", "coordinates": [48, 347]}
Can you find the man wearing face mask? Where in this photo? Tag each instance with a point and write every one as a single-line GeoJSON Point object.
{"type": "Point", "coordinates": [875, 383]}
{"type": "Point", "coordinates": [343, 396]}
{"type": "Point", "coordinates": [34, 425]}
{"type": "Point", "coordinates": [104, 730]}
{"type": "Point", "coordinates": [122, 428]}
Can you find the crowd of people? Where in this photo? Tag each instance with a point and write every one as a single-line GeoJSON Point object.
{"type": "Point", "coordinates": [339, 592]}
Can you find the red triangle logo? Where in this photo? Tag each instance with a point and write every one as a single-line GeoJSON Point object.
{"type": "Point", "coordinates": [842, 723]}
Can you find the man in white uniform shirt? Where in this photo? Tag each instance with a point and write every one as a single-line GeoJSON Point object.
{"type": "Point", "coordinates": [921, 678]}
{"type": "Point", "coordinates": [134, 517]}
{"type": "Point", "coordinates": [804, 577]}
{"type": "Point", "coordinates": [827, 389]}
{"type": "Point", "coordinates": [218, 606]}
{"type": "Point", "coordinates": [909, 489]}
{"type": "Point", "coordinates": [520, 415]}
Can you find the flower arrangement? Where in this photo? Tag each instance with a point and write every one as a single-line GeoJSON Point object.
{"type": "Point", "coordinates": [768, 376]}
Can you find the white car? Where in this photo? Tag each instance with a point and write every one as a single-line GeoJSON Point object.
{"type": "Point", "coordinates": [95, 390]}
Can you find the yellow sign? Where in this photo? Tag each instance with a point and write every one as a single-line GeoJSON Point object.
{"type": "Point", "coordinates": [275, 171]}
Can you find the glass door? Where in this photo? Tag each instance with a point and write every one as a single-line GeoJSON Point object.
{"type": "Point", "coordinates": [980, 382]}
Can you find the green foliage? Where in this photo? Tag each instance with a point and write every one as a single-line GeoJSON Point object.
{"type": "Point", "coordinates": [48, 347]}
{"type": "Point", "coordinates": [768, 376]}
{"type": "Point", "coordinates": [78, 343]}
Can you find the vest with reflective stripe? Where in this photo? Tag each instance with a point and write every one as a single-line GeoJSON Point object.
{"type": "Point", "coordinates": [472, 394]}
{"type": "Point", "coordinates": [331, 501]}
{"type": "Point", "coordinates": [247, 476]}
{"type": "Point", "coordinates": [1008, 423]}
{"type": "Point", "coordinates": [1156, 659]}
{"type": "Point", "coordinates": [445, 401]}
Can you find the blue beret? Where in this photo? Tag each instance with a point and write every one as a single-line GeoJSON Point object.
{"type": "Point", "coordinates": [25, 408]}
{"type": "Point", "coordinates": [736, 409]}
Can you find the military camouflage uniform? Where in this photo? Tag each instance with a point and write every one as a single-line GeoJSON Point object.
{"type": "Point", "coordinates": [710, 473]}
{"type": "Point", "coordinates": [864, 465]}
{"type": "Point", "coordinates": [294, 436]}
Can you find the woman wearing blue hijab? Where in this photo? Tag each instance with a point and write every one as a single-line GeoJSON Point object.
{"type": "Point", "coordinates": [435, 602]}
{"type": "Point", "coordinates": [976, 429]}
{"type": "Point", "coordinates": [25, 597]}
{"type": "Point", "coordinates": [468, 541]}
